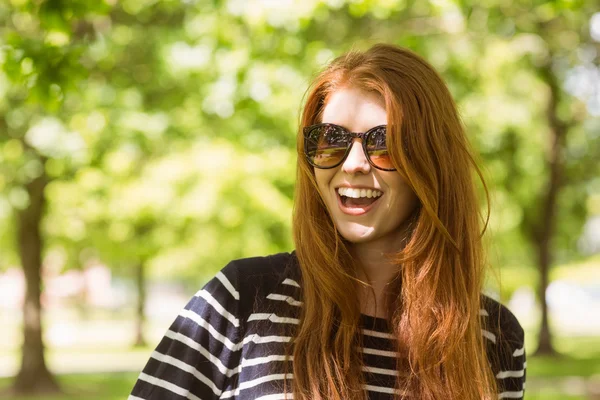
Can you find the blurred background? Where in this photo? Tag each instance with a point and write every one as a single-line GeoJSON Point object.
{"type": "Point", "coordinates": [144, 144]}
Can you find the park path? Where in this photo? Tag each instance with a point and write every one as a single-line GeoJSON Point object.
{"type": "Point", "coordinates": [86, 363]}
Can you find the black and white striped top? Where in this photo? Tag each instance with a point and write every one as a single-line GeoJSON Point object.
{"type": "Point", "coordinates": [227, 342]}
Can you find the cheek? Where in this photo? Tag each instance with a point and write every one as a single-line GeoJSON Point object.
{"type": "Point", "coordinates": [403, 193]}
{"type": "Point", "coordinates": [323, 178]}
{"type": "Point", "coordinates": [406, 200]}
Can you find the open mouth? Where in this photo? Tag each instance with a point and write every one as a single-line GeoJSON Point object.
{"type": "Point", "coordinates": [357, 201]}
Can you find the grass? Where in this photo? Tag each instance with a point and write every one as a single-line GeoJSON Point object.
{"type": "Point", "coordinates": [87, 386]}
{"type": "Point", "coordinates": [565, 377]}
{"type": "Point", "coordinates": [547, 367]}
{"type": "Point", "coordinates": [580, 356]}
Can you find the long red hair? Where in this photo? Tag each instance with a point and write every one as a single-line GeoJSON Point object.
{"type": "Point", "coordinates": [434, 309]}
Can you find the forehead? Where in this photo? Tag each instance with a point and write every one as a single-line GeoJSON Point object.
{"type": "Point", "coordinates": [354, 109]}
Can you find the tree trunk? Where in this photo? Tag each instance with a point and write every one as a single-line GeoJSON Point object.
{"type": "Point", "coordinates": [34, 376]}
{"type": "Point", "coordinates": [558, 132]}
{"type": "Point", "coordinates": [141, 304]}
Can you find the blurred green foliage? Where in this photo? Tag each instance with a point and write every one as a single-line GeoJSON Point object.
{"type": "Point", "coordinates": [167, 128]}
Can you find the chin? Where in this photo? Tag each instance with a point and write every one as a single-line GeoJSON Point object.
{"type": "Point", "coordinates": [357, 235]}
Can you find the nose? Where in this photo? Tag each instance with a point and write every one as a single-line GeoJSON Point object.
{"type": "Point", "coordinates": [356, 160]}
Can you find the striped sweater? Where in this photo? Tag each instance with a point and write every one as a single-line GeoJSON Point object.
{"type": "Point", "coordinates": [228, 342]}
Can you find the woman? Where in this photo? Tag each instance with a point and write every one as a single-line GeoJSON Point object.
{"type": "Point", "coordinates": [382, 297]}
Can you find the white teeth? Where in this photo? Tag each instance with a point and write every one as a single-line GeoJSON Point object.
{"type": "Point", "coordinates": [356, 193]}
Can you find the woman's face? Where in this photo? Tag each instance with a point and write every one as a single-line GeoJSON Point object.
{"type": "Point", "coordinates": [362, 220]}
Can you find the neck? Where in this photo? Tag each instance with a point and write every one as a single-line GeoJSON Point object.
{"type": "Point", "coordinates": [376, 267]}
{"type": "Point", "coordinates": [377, 270]}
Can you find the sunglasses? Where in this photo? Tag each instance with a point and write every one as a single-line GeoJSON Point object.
{"type": "Point", "coordinates": [327, 146]}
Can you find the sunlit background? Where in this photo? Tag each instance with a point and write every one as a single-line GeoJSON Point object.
{"type": "Point", "coordinates": [144, 144]}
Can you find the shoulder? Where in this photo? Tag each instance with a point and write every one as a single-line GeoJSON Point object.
{"type": "Point", "coordinates": [505, 345]}
{"type": "Point", "coordinates": [262, 266]}
{"type": "Point", "coordinates": [260, 273]}
{"type": "Point", "coordinates": [244, 283]}
{"type": "Point", "coordinates": [501, 323]}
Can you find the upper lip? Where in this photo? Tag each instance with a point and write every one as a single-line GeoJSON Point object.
{"type": "Point", "coordinates": [357, 187]}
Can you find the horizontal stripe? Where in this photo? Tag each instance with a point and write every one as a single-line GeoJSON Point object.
{"type": "Point", "coordinates": [272, 318]}
{"type": "Point", "coordinates": [276, 396]}
{"type": "Point", "coordinates": [254, 338]}
{"type": "Point", "coordinates": [131, 397]}
{"type": "Point", "coordinates": [221, 277]}
{"type": "Point", "coordinates": [484, 313]}
{"type": "Point", "coordinates": [290, 282]}
{"type": "Point", "coordinates": [168, 386]}
{"type": "Point", "coordinates": [511, 395]}
{"type": "Point", "coordinates": [378, 334]}
{"type": "Point", "coordinates": [519, 352]}
{"type": "Point", "coordinates": [247, 362]}
{"type": "Point", "coordinates": [251, 362]}
{"type": "Point", "coordinates": [489, 335]}
{"type": "Point", "coordinates": [263, 379]}
{"type": "Point", "coordinates": [381, 389]}
{"type": "Point", "coordinates": [287, 299]}
{"type": "Point", "coordinates": [376, 352]}
{"type": "Point", "coordinates": [218, 307]}
{"type": "Point", "coordinates": [510, 374]}
{"type": "Point", "coordinates": [254, 382]}
{"type": "Point", "coordinates": [380, 371]}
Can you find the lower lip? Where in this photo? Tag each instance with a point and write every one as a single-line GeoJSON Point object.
{"type": "Point", "coordinates": [355, 210]}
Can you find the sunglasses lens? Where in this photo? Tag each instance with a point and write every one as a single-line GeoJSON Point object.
{"type": "Point", "coordinates": [326, 145]}
{"type": "Point", "coordinates": [377, 149]}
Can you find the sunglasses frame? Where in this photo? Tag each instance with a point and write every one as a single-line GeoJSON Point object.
{"type": "Point", "coordinates": [364, 136]}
